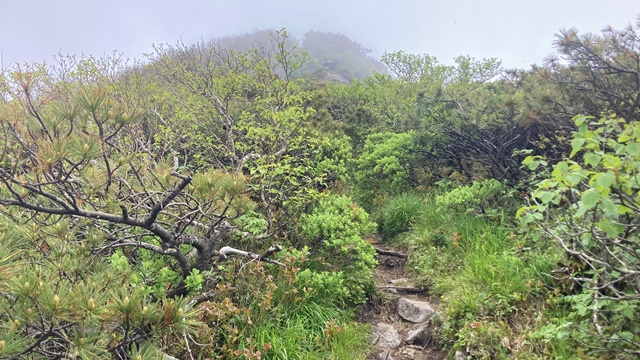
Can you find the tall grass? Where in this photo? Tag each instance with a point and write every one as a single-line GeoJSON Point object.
{"type": "Point", "coordinates": [315, 331]}
{"type": "Point", "coordinates": [485, 279]}
{"type": "Point", "coordinates": [400, 213]}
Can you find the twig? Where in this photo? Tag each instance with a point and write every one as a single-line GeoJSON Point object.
{"type": "Point", "coordinates": [186, 341]}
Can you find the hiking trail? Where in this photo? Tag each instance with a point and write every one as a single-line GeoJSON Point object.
{"type": "Point", "coordinates": [400, 313]}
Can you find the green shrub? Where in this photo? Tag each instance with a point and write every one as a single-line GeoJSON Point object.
{"type": "Point", "coordinates": [262, 311]}
{"type": "Point", "coordinates": [400, 213]}
{"type": "Point", "coordinates": [484, 339]}
{"type": "Point", "coordinates": [589, 205]}
{"type": "Point", "coordinates": [431, 237]}
{"type": "Point", "coordinates": [384, 168]}
{"type": "Point", "coordinates": [48, 280]}
{"type": "Point", "coordinates": [478, 197]}
{"type": "Point", "coordinates": [342, 258]}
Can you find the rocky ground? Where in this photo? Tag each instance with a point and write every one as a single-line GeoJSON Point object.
{"type": "Point", "coordinates": [401, 314]}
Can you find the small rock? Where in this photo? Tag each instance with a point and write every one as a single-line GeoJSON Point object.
{"type": "Point", "coordinates": [402, 281]}
{"type": "Point", "coordinates": [414, 311]}
{"type": "Point", "coordinates": [385, 336]}
{"type": "Point", "coordinates": [410, 352]}
{"type": "Point", "coordinates": [385, 355]}
{"type": "Point", "coordinates": [460, 356]}
{"type": "Point", "coordinates": [419, 335]}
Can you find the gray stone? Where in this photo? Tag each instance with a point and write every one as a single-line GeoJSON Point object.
{"type": "Point", "coordinates": [409, 352]}
{"type": "Point", "coordinates": [414, 311]}
{"type": "Point", "coordinates": [460, 356]}
{"type": "Point", "coordinates": [420, 335]}
{"type": "Point", "coordinates": [385, 336]}
{"type": "Point", "coordinates": [385, 355]}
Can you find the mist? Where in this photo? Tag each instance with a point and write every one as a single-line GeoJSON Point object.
{"type": "Point", "coordinates": [517, 33]}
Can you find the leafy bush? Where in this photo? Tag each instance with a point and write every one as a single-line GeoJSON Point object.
{"type": "Point", "coordinates": [342, 259]}
{"type": "Point", "coordinates": [479, 196]}
{"type": "Point", "coordinates": [384, 168]}
{"type": "Point", "coordinates": [589, 205]}
{"type": "Point", "coordinates": [400, 213]}
{"type": "Point", "coordinates": [261, 311]}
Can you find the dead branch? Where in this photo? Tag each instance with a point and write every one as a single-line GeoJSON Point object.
{"type": "Point", "coordinates": [391, 253]}
{"type": "Point", "coordinates": [225, 251]}
{"type": "Point", "coordinates": [407, 289]}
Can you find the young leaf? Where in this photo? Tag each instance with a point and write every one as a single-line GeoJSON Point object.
{"type": "Point", "coordinates": [603, 181]}
{"type": "Point", "coordinates": [592, 159]}
{"type": "Point", "coordinates": [545, 196]}
{"type": "Point", "coordinates": [610, 228]}
{"type": "Point", "coordinates": [633, 149]}
{"type": "Point", "coordinates": [590, 198]}
{"type": "Point", "coordinates": [576, 145]}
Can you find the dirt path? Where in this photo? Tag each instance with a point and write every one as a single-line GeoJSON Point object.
{"type": "Point", "coordinates": [393, 283]}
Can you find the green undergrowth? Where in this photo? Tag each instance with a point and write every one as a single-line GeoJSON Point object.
{"type": "Point", "coordinates": [493, 284]}
{"type": "Point", "coordinates": [314, 332]}
{"type": "Point", "coordinates": [263, 312]}
{"type": "Point", "coordinates": [400, 213]}
{"type": "Point", "coordinates": [302, 309]}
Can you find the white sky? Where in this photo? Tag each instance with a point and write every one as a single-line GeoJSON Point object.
{"type": "Point", "coordinates": [518, 32]}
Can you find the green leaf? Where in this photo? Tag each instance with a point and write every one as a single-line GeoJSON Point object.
{"type": "Point", "coordinates": [583, 130]}
{"type": "Point", "coordinates": [527, 160]}
{"type": "Point", "coordinates": [624, 138]}
{"type": "Point", "coordinates": [580, 119]}
{"type": "Point", "coordinates": [592, 159]}
{"type": "Point", "coordinates": [603, 181]}
{"type": "Point", "coordinates": [636, 132]}
{"type": "Point", "coordinates": [610, 208]}
{"type": "Point", "coordinates": [520, 211]}
{"type": "Point", "coordinates": [624, 210]}
{"type": "Point", "coordinates": [576, 145]}
{"type": "Point", "coordinates": [294, 182]}
{"type": "Point", "coordinates": [560, 170]}
{"type": "Point", "coordinates": [526, 219]}
{"type": "Point", "coordinates": [633, 149]}
{"type": "Point", "coordinates": [629, 313]}
{"type": "Point", "coordinates": [574, 179]}
{"type": "Point", "coordinates": [581, 211]}
{"type": "Point", "coordinates": [545, 196]}
{"type": "Point", "coordinates": [611, 161]}
{"type": "Point", "coordinates": [610, 228]}
{"type": "Point", "coordinates": [590, 198]}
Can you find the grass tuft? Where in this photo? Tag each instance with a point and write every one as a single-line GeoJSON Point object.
{"type": "Point", "coordinates": [400, 213]}
{"type": "Point", "coordinates": [315, 331]}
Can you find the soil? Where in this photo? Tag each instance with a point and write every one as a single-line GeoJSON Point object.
{"type": "Point", "coordinates": [390, 272]}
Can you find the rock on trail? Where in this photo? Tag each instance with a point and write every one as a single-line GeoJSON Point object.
{"type": "Point", "coordinates": [401, 314]}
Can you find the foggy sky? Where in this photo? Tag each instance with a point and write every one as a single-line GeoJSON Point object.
{"type": "Point", "coordinates": [518, 32]}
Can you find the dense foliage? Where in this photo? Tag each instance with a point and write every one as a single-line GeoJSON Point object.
{"type": "Point", "coordinates": [590, 208]}
{"type": "Point", "coordinates": [126, 190]}
{"type": "Point", "coordinates": [217, 201]}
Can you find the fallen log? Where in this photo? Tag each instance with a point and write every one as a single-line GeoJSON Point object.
{"type": "Point", "coordinates": [408, 289]}
{"type": "Point", "coordinates": [391, 253]}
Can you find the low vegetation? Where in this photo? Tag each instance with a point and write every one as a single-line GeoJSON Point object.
{"type": "Point", "coordinates": [217, 201]}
